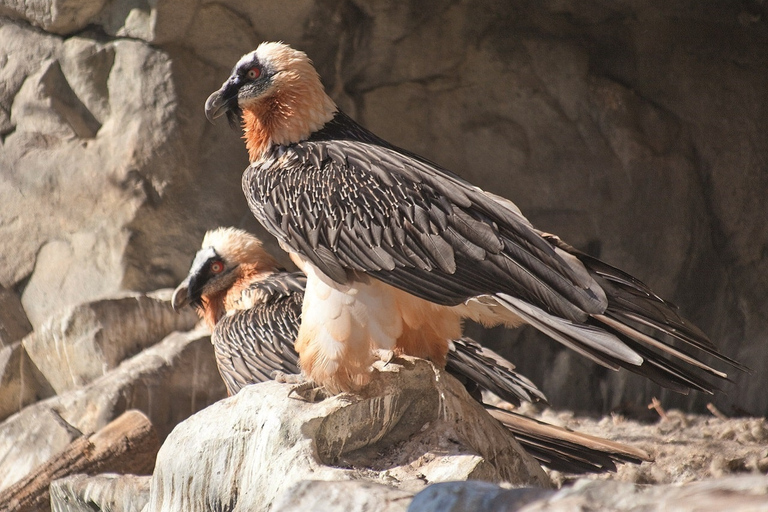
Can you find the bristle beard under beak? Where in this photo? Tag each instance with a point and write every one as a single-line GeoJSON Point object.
{"type": "Point", "coordinates": [235, 117]}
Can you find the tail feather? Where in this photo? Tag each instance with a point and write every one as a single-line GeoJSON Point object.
{"type": "Point", "coordinates": [650, 327]}
{"type": "Point", "coordinates": [668, 373]}
{"type": "Point", "coordinates": [565, 450]}
{"type": "Point", "coordinates": [597, 344]}
{"type": "Point", "coordinates": [633, 333]}
{"type": "Point", "coordinates": [629, 317]}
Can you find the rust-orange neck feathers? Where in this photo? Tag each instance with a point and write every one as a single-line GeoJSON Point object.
{"type": "Point", "coordinates": [243, 250]}
{"type": "Point", "coordinates": [295, 106]}
{"type": "Point", "coordinates": [236, 297]}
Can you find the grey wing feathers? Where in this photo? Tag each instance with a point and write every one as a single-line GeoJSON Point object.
{"type": "Point", "coordinates": [251, 344]}
{"type": "Point", "coordinates": [349, 205]}
{"type": "Point", "coordinates": [490, 371]}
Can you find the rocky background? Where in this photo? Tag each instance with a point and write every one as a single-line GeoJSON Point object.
{"type": "Point", "coordinates": [636, 131]}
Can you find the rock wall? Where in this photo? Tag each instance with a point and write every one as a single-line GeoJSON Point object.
{"type": "Point", "coordinates": [636, 132]}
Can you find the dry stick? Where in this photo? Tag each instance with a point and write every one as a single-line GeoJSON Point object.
{"type": "Point", "coordinates": [716, 412]}
{"type": "Point", "coordinates": [655, 404]}
{"type": "Point", "coordinates": [128, 444]}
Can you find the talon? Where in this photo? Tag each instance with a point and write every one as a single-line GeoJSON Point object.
{"type": "Point", "coordinates": [387, 356]}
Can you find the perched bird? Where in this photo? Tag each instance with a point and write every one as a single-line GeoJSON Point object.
{"type": "Point", "coordinates": [253, 309]}
{"type": "Point", "coordinates": [398, 251]}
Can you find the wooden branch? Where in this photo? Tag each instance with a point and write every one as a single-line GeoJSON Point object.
{"type": "Point", "coordinates": [128, 444]}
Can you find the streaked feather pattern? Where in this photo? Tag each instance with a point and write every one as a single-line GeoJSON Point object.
{"type": "Point", "coordinates": [252, 343]}
{"type": "Point", "coordinates": [348, 205]}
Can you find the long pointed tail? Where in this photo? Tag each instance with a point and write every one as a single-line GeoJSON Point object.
{"type": "Point", "coordinates": [566, 450]}
{"type": "Point", "coordinates": [646, 334]}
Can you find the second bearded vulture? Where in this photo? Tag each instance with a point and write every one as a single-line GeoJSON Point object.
{"type": "Point", "coordinates": [398, 251]}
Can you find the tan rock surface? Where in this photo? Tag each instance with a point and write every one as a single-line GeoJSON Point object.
{"type": "Point", "coordinates": [412, 426]}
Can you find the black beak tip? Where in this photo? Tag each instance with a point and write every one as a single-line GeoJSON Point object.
{"type": "Point", "coordinates": [214, 106]}
{"type": "Point", "coordinates": [180, 297]}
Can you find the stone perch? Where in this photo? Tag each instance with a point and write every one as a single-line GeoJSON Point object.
{"type": "Point", "coordinates": [412, 426]}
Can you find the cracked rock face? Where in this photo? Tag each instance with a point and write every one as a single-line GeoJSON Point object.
{"type": "Point", "coordinates": [412, 426]}
{"type": "Point", "coordinates": [635, 132]}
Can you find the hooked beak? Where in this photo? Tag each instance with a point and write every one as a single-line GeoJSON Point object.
{"type": "Point", "coordinates": [180, 297]}
{"type": "Point", "coordinates": [222, 101]}
{"type": "Point", "coordinates": [215, 106]}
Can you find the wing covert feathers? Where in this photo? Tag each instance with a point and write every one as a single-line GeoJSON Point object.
{"type": "Point", "coordinates": [251, 344]}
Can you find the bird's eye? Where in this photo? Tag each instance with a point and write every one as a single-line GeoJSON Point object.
{"type": "Point", "coordinates": [253, 73]}
{"type": "Point", "coordinates": [217, 267]}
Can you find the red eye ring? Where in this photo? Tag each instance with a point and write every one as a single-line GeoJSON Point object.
{"type": "Point", "coordinates": [217, 267]}
{"type": "Point", "coordinates": [253, 73]}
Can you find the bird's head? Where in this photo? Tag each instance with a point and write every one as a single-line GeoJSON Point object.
{"type": "Point", "coordinates": [276, 94]}
{"type": "Point", "coordinates": [229, 257]}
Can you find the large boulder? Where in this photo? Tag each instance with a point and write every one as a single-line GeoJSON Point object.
{"type": "Point", "coordinates": [413, 425]}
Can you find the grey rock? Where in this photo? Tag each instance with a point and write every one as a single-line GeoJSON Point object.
{"type": "Point", "coordinates": [60, 280]}
{"type": "Point", "coordinates": [342, 496]}
{"type": "Point", "coordinates": [57, 16]}
{"type": "Point", "coordinates": [740, 493]}
{"type": "Point", "coordinates": [101, 493]}
{"type": "Point", "coordinates": [77, 170]}
{"type": "Point", "coordinates": [14, 324]}
{"type": "Point", "coordinates": [476, 496]}
{"type": "Point", "coordinates": [411, 426]}
{"type": "Point", "coordinates": [30, 438]}
{"type": "Point", "coordinates": [84, 342]}
{"type": "Point", "coordinates": [220, 34]}
{"type": "Point", "coordinates": [167, 382]}
{"type": "Point", "coordinates": [20, 381]}
{"type": "Point", "coordinates": [87, 66]}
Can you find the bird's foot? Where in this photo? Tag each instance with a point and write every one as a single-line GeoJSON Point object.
{"type": "Point", "coordinates": [304, 389]}
{"type": "Point", "coordinates": [386, 356]}
{"type": "Point", "coordinates": [309, 391]}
